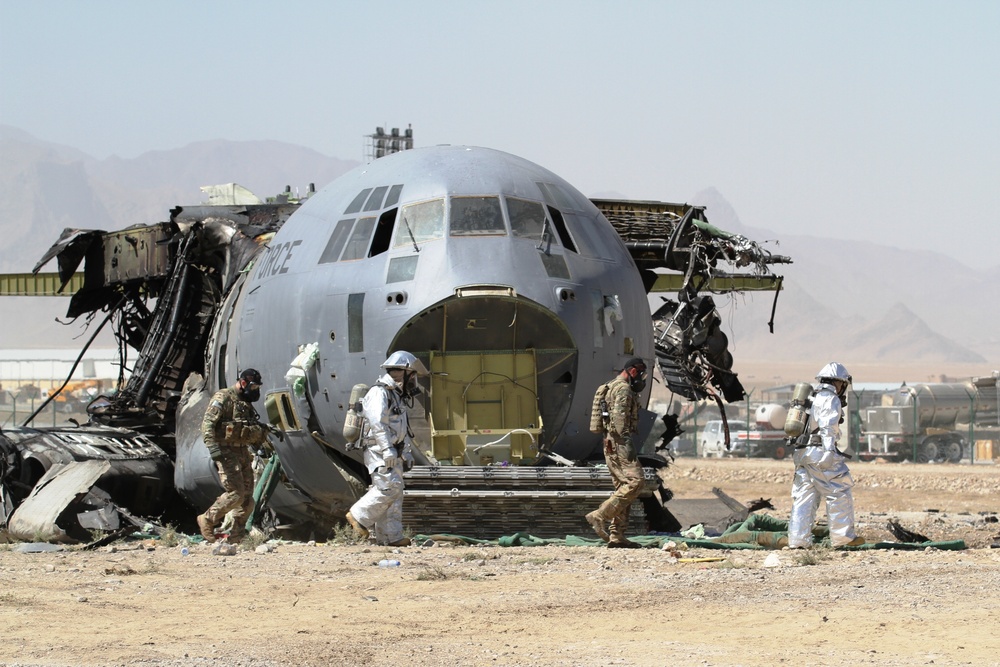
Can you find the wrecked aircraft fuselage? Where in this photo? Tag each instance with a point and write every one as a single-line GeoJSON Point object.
{"type": "Point", "coordinates": [520, 294]}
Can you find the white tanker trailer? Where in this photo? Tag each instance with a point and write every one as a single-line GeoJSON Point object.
{"type": "Point", "coordinates": [933, 422]}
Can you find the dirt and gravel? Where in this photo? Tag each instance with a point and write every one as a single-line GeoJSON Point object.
{"type": "Point", "coordinates": [145, 604]}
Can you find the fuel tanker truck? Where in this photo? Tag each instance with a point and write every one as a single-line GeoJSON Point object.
{"type": "Point", "coordinates": [933, 422]}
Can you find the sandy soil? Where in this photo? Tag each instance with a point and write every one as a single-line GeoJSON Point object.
{"type": "Point", "coordinates": [145, 604]}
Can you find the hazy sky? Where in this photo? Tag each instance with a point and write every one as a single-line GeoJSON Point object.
{"type": "Point", "coordinates": [860, 120]}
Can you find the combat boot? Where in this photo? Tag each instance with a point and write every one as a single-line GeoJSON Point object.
{"type": "Point", "coordinates": [401, 542]}
{"type": "Point", "coordinates": [206, 528]}
{"type": "Point", "coordinates": [359, 530]}
{"type": "Point", "coordinates": [856, 542]}
{"type": "Point", "coordinates": [596, 522]}
{"type": "Point", "coordinates": [622, 543]}
{"type": "Point", "coordinates": [606, 513]}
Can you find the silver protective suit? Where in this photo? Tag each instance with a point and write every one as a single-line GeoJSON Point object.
{"type": "Point", "coordinates": [387, 444]}
{"type": "Point", "coordinates": [821, 472]}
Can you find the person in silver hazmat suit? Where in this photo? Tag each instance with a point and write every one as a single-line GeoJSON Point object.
{"type": "Point", "coordinates": [387, 443]}
{"type": "Point", "coordinates": [821, 469]}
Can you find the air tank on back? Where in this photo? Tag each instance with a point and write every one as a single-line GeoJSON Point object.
{"type": "Point", "coordinates": [796, 417]}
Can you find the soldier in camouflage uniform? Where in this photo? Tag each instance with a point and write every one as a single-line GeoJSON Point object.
{"type": "Point", "coordinates": [620, 454]}
{"type": "Point", "coordinates": [232, 425]}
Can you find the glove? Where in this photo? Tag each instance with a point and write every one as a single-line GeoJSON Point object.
{"type": "Point", "coordinates": [214, 451]}
{"type": "Point", "coordinates": [390, 459]}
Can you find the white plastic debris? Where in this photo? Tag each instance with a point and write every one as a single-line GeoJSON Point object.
{"type": "Point", "coordinates": [296, 375]}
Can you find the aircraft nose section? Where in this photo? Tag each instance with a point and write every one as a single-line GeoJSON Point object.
{"type": "Point", "coordinates": [502, 369]}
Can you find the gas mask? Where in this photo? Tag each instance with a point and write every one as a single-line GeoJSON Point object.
{"type": "Point", "coordinates": [250, 392]}
{"type": "Point", "coordinates": [637, 379]}
{"type": "Point", "coordinates": [407, 387]}
{"type": "Point", "coordinates": [410, 386]}
{"type": "Point", "coordinates": [841, 387]}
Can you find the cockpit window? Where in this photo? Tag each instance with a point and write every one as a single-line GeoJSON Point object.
{"type": "Point", "coordinates": [527, 219]}
{"type": "Point", "coordinates": [357, 245]}
{"type": "Point", "coordinates": [358, 201]}
{"type": "Point", "coordinates": [585, 230]}
{"type": "Point", "coordinates": [556, 196]}
{"type": "Point", "coordinates": [476, 216]}
{"type": "Point", "coordinates": [374, 202]}
{"type": "Point", "coordinates": [420, 222]}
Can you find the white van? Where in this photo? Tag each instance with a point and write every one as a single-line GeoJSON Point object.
{"type": "Point", "coordinates": [712, 439]}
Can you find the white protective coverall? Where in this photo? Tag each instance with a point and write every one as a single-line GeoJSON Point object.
{"type": "Point", "coordinates": [382, 506]}
{"type": "Point", "coordinates": [821, 471]}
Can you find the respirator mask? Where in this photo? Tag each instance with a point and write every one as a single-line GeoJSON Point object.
{"type": "Point", "coordinates": [250, 392]}
{"type": "Point", "coordinates": [408, 388]}
{"type": "Point", "coordinates": [637, 379]}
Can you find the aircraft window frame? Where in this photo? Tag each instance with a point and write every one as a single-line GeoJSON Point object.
{"type": "Point", "coordinates": [338, 239]}
{"type": "Point", "coordinates": [383, 232]}
{"type": "Point", "coordinates": [357, 243]}
{"type": "Point", "coordinates": [393, 197]}
{"type": "Point", "coordinates": [554, 195]}
{"type": "Point", "coordinates": [518, 230]}
{"type": "Point", "coordinates": [587, 238]}
{"type": "Point", "coordinates": [402, 269]}
{"type": "Point", "coordinates": [560, 225]}
{"type": "Point", "coordinates": [419, 226]}
{"type": "Point", "coordinates": [555, 265]}
{"type": "Point", "coordinates": [376, 198]}
{"type": "Point", "coordinates": [474, 229]}
{"type": "Point", "coordinates": [358, 202]}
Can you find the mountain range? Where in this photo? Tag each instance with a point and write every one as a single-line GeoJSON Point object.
{"type": "Point", "coordinates": [852, 300]}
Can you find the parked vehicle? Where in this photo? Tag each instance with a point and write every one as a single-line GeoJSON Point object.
{"type": "Point", "coordinates": [930, 422]}
{"type": "Point", "coordinates": [712, 439]}
{"type": "Point", "coordinates": [766, 436]}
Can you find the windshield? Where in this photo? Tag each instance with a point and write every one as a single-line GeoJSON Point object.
{"type": "Point", "coordinates": [476, 216]}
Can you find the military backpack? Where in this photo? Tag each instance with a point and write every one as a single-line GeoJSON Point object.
{"type": "Point", "coordinates": [599, 413]}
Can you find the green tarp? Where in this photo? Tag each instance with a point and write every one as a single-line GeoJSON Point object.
{"type": "Point", "coordinates": [759, 531]}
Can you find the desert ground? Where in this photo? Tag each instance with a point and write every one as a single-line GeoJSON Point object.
{"type": "Point", "coordinates": [143, 603]}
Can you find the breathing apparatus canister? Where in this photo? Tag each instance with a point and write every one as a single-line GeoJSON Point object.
{"type": "Point", "coordinates": [798, 413]}
{"type": "Point", "coordinates": [355, 418]}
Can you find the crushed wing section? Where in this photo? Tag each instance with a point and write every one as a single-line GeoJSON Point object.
{"type": "Point", "coordinates": [692, 351]}
{"type": "Point", "coordinates": [184, 267]}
